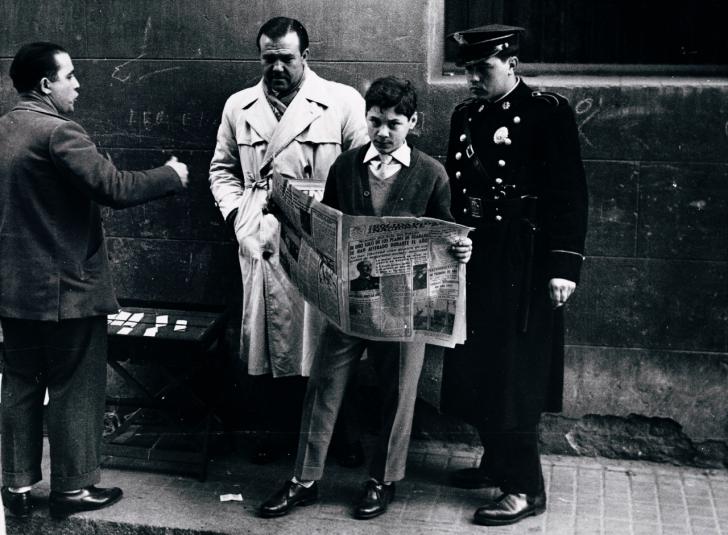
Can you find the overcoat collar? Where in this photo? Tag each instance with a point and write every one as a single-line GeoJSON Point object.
{"type": "Point", "coordinates": [30, 103]}
{"type": "Point", "coordinates": [312, 98]}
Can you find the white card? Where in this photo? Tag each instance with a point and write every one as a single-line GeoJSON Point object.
{"type": "Point", "coordinates": [181, 325]}
{"type": "Point", "coordinates": [136, 318]}
{"type": "Point", "coordinates": [123, 315]}
{"type": "Point", "coordinates": [125, 330]}
{"type": "Point", "coordinates": [231, 497]}
{"type": "Point", "coordinates": [151, 331]}
{"type": "Point", "coordinates": [162, 320]}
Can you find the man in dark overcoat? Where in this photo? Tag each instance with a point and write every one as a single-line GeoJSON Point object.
{"type": "Point", "coordinates": [55, 283]}
{"type": "Point", "coordinates": [516, 176]}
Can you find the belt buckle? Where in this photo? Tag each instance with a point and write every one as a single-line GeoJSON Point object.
{"type": "Point", "coordinates": [469, 151]}
{"type": "Point", "coordinates": [476, 207]}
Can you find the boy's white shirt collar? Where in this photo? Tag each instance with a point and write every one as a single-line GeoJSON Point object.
{"type": "Point", "coordinates": [403, 154]}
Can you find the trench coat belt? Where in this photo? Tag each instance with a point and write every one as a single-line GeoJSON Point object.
{"type": "Point", "coordinates": [261, 183]}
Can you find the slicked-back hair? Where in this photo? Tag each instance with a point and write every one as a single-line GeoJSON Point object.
{"type": "Point", "coordinates": [392, 92]}
{"type": "Point", "coordinates": [278, 27]}
{"type": "Point", "coordinates": [32, 63]}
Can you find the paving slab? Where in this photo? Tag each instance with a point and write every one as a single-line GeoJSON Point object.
{"type": "Point", "coordinates": [585, 496]}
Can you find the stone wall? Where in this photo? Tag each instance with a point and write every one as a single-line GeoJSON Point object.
{"type": "Point", "coordinates": [647, 355]}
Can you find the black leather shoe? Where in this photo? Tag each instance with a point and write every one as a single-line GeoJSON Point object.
{"type": "Point", "coordinates": [375, 500]}
{"type": "Point", "coordinates": [350, 455]}
{"type": "Point", "coordinates": [471, 478]}
{"type": "Point", "coordinates": [87, 499]}
{"type": "Point", "coordinates": [290, 495]}
{"type": "Point", "coordinates": [510, 508]}
{"type": "Point", "coordinates": [18, 503]}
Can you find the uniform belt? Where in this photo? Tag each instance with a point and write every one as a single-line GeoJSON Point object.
{"type": "Point", "coordinates": [500, 210]}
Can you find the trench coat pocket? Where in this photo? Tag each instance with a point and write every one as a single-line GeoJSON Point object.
{"type": "Point", "coordinates": [269, 235]}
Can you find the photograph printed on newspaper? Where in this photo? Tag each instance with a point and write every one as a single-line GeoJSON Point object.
{"type": "Point", "coordinates": [380, 278]}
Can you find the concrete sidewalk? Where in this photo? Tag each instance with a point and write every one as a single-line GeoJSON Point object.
{"type": "Point", "coordinates": [585, 496]}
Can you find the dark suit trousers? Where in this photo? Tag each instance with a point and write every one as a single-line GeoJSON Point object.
{"type": "Point", "coordinates": [397, 365]}
{"type": "Point", "coordinates": [511, 458]}
{"type": "Point", "coordinates": [69, 358]}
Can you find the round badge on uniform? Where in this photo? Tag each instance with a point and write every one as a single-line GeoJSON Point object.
{"type": "Point", "coordinates": [501, 136]}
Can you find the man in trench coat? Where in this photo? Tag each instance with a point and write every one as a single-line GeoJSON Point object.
{"type": "Point", "coordinates": [516, 175]}
{"type": "Point", "coordinates": [55, 283]}
{"type": "Point", "coordinates": [295, 123]}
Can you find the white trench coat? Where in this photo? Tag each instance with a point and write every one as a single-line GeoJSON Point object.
{"type": "Point", "coordinates": [280, 332]}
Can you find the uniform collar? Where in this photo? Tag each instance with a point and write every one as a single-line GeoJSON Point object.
{"type": "Point", "coordinates": [510, 91]}
{"type": "Point", "coordinates": [403, 154]}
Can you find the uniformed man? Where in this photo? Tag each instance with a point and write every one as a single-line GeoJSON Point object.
{"type": "Point", "coordinates": [517, 177]}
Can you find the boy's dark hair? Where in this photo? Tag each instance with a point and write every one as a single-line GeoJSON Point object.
{"type": "Point", "coordinates": [278, 27]}
{"type": "Point", "coordinates": [32, 63]}
{"type": "Point", "coordinates": [392, 92]}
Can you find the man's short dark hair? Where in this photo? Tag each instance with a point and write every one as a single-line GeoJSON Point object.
{"type": "Point", "coordinates": [278, 27]}
{"type": "Point", "coordinates": [392, 92]}
{"type": "Point", "coordinates": [32, 63]}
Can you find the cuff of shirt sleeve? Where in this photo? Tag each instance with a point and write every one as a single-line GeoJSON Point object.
{"type": "Point", "coordinates": [565, 265]}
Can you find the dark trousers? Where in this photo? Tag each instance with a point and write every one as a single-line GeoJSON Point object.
{"type": "Point", "coordinates": [69, 358]}
{"type": "Point", "coordinates": [511, 458]}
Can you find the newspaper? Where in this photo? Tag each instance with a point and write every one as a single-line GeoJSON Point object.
{"type": "Point", "coordinates": [380, 278]}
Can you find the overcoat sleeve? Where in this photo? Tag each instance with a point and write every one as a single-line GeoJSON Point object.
{"type": "Point", "coordinates": [565, 196]}
{"type": "Point", "coordinates": [439, 203]}
{"type": "Point", "coordinates": [226, 180]}
{"type": "Point", "coordinates": [77, 158]}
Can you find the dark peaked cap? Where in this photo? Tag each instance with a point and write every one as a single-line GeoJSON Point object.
{"type": "Point", "coordinates": [483, 42]}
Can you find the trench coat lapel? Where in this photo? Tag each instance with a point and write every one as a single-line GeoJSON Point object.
{"type": "Point", "coordinates": [300, 114]}
{"type": "Point", "coordinates": [259, 115]}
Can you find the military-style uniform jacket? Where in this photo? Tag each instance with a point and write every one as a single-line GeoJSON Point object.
{"type": "Point", "coordinates": [528, 145]}
{"type": "Point", "coordinates": [516, 175]}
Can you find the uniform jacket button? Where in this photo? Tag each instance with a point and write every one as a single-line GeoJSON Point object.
{"type": "Point", "coordinates": [458, 155]}
{"type": "Point", "coordinates": [498, 218]}
{"type": "Point", "coordinates": [501, 163]}
{"type": "Point", "coordinates": [465, 190]}
{"type": "Point", "coordinates": [499, 181]}
{"type": "Point", "coordinates": [463, 137]}
{"type": "Point", "coordinates": [465, 210]}
{"type": "Point", "coordinates": [458, 174]}
{"type": "Point", "coordinates": [516, 119]}
{"type": "Point", "coordinates": [366, 193]}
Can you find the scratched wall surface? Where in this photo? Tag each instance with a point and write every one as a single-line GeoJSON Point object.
{"type": "Point", "coordinates": [155, 75]}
